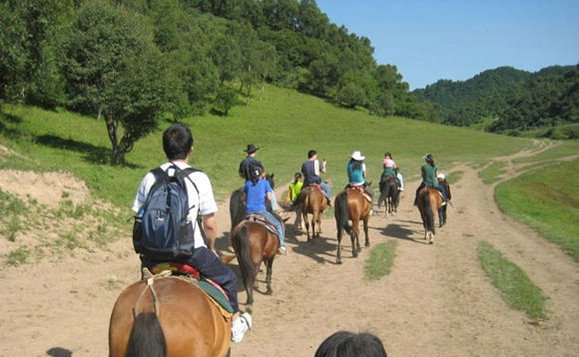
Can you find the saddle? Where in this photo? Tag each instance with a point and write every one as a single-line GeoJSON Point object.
{"type": "Point", "coordinates": [258, 218]}
{"type": "Point", "coordinates": [315, 186]}
{"type": "Point", "coordinates": [191, 275]}
{"type": "Point", "coordinates": [360, 189]}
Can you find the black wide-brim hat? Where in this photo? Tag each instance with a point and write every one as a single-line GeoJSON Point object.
{"type": "Point", "coordinates": [251, 149]}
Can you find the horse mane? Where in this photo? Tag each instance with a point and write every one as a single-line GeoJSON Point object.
{"type": "Point", "coordinates": [147, 338]}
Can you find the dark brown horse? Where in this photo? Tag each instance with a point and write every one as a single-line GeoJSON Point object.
{"type": "Point", "coordinates": [168, 316]}
{"type": "Point", "coordinates": [389, 194]}
{"type": "Point", "coordinates": [311, 200]}
{"type": "Point", "coordinates": [253, 244]}
{"type": "Point", "coordinates": [351, 205]}
{"type": "Point", "coordinates": [429, 201]}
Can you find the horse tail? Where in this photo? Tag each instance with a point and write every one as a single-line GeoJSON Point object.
{"type": "Point", "coordinates": [342, 212]}
{"type": "Point", "coordinates": [428, 214]}
{"type": "Point", "coordinates": [245, 261]}
{"type": "Point", "coordinates": [147, 338]}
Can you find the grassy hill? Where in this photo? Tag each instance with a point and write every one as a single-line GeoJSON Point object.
{"type": "Point", "coordinates": [284, 124]}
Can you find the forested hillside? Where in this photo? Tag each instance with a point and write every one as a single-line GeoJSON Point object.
{"type": "Point", "coordinates": [511, 101]}
{"type": "Point", "coordinates": [133, 62]}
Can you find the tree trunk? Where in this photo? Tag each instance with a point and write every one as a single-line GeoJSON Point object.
{"type": "Point", "coordinates": [112, 130]}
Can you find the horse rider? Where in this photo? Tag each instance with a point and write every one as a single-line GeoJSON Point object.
{"type": "Point", "coordinates": [444, 187]}
{"type": "Point", "coordinates": [255, 195]}
{"type": "Point", "coordinates": [311, 170]}
{"type": "Point", "coordinates": [178, 145]}
{"type": "Point", "coordinates": [428, 173]}
{"type": "Point", "coordinates": [251, 169]}
{"type": "Point", "coordinates": [356, 169]}
{"type": "Point", "coordinates": [390, 169]}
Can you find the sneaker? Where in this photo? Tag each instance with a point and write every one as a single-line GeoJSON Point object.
{"type": "Point", "coordinates": [282, 250]}
{"type": "Point", "coordinates": [240, 326]}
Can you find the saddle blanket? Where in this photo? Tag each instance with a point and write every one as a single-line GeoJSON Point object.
{"type": "Point", "coordinates": [258, 218]}
{"type": "Point", "coordinates": [186, 272]}
{"type": "Point", "coordinates": [361, 190]}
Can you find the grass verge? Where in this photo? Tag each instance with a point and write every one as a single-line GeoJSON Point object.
{"type": "Point", "coordinates": [515, 286]}
{"type": "Point", "coordinates": [493, 172]}
{"type": "Point", "coordinates": [380, 261]}
{"type": "Point", "coordinates": [547, 200]}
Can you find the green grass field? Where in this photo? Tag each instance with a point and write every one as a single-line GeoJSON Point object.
{"type": "Point", "coordinates": [285, 125]}
{"type": "Point", "coordinates": [546, 199]}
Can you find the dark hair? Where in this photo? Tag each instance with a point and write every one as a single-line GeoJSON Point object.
{"type": "Point", "coordinates": [388, 154]}
{"type": "Point", "coordinates": [429, 159]}
{"type": "Point", "coordinates": [177, 141]}
{"type": "Point", "coordinates": [298, 174]}
{"type": "Point", "coordinates": [311, 153]}
{"type": "Point", "coordinates": [349, 344]}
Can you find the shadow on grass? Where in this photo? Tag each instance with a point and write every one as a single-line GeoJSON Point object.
{"type": "Point", "coordinates": [5, 119]}
{"type": "Point", "coordinates": [94, 154]}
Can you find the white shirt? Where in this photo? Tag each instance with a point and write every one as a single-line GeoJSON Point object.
{"type": "Point", "coordinates": [205, 201]}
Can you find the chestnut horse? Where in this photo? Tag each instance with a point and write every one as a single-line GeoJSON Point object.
{"type": "Point", "coordinates": [429, 201]}
{"type": "Point", "coordinates": [167, 316]}
{"type": "Point", "coordinates": [253, 244]}
{"type": "Point", "coordinates": [352, 205]}
{"type": "Point", "coordinates": [389, 194]}
{"type": "Point", "coordinates": [312, 201]}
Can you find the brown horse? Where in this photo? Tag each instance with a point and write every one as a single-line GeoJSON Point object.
{"type": "Point", "coordinates": [311, 200]}
{"type": "Point", "coordinates": [167, 316]}
{"type": "Point", "coordinates": [429, 201]}
{"type": "Point", "coordinates": [253, 244]}
{"type": "Point", "coordinates": [352, 205]}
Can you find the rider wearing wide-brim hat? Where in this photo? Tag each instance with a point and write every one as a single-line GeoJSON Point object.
{"type": "Point", "coordinates": [250, 168]}
{"type": "Point", "coordinates": [356, 169]}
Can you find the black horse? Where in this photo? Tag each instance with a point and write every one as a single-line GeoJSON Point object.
{"type": "Point", "coordinates": [389, 194]}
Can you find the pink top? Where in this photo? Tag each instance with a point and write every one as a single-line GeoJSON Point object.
{"type": "Point", "coordinates": [389, 163]}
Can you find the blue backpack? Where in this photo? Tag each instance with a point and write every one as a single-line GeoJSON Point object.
{"type": "Point", "coordinates": [161, 230]}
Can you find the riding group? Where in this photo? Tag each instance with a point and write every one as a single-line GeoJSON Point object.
{"type": "Point", "coordinates": [186, 302]}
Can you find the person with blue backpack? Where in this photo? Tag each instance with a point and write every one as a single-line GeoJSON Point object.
{"type": "Point", "coordinates": [176, 220]}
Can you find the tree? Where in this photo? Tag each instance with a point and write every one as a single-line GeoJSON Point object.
{"type": "Point", "coordinates": [114, 71]}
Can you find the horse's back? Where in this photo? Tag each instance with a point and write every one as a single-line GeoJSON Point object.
{"type": "Point", "coordinates": [313, 200]}
{"type": "Point", "coordinates": [358, 203]}
{"type": "Point", "coordinates": [263, 243]}
{"type": "Point", "coordinates": [192, 324]}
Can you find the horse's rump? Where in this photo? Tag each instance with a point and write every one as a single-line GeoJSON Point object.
{"type": "Point", "coordinates": [191, 323]}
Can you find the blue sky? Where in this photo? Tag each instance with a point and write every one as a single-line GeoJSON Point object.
{"type": "Point", "coordinates": [430, 40]}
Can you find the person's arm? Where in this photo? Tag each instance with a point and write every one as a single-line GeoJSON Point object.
{"type": "Point", "coordinates": [210, 228]}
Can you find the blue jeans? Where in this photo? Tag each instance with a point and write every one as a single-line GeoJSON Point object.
{"type": "Point", "coordinates": [209, 266]}
{"type": "Point", "coordinates": [325, 189]}
{"type": "Point", "coordinates": [276, 222]}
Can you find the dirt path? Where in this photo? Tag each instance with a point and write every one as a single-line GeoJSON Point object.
{"type": "Point", "coordinates": [437, 300]}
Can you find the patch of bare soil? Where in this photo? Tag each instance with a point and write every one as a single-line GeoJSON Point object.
{"type": "Point", "coordinates": [437, 300]}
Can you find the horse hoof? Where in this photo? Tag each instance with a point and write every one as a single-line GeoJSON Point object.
{"type": "Point", "coordinates": [430, 242]}
{"type": "Point", "coordinates": [338, 261]}
{"type": "Point", "coordinates": [269, 292]}
{"type": "Point", "coordinates": [367, 244]}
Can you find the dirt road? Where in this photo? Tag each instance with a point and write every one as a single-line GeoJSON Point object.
{"type": "Point", "coordinates": [436, 301]}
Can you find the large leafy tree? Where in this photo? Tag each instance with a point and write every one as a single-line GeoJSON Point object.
{"type": "Point", "coordinates": [114, 71]}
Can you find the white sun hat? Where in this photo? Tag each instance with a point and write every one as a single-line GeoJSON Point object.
{"type": "Point", "coordinates": [356, 155]}
{"type": "Point", "coordinates": [441, 176]}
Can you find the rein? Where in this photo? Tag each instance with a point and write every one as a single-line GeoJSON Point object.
{"type": "Point", "coordinates": [149, 286]}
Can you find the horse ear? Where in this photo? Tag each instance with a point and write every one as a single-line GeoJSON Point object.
{"type": "Point", "coordinates": [369, 183]}
{"type": "Point", "coordinates": [271, 175]}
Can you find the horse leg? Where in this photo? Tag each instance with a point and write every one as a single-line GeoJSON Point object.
{"type": "Point", "coordinates": [338, 253]}
{"type": "Point", "coordinates": [306, 220]}
{"type": "Point", "coordinates": [269, 270]}
{"type": "Point", "coordinates": [365, 221]}
{"type": "Point", "coordinates": [355, 239]}
{"type": "Point", "coordinates": [317, 221]}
